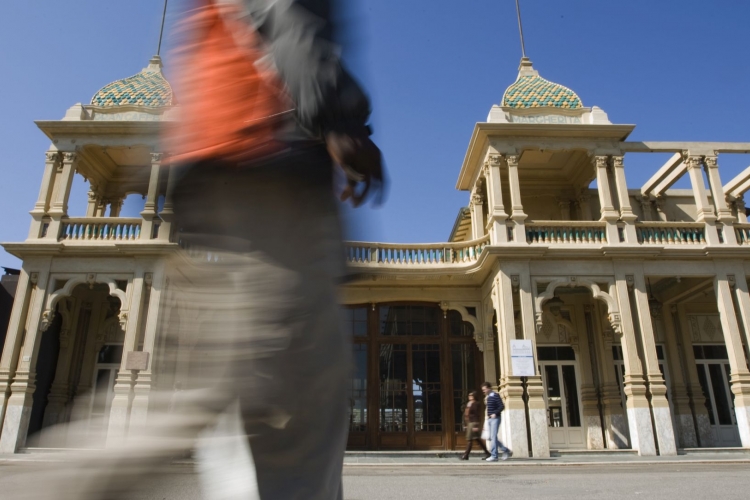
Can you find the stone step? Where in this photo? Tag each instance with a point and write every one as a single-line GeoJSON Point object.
{"type": "Point", "coordinates": [728, 450]}
{"type": "Point", "coordinates": [589, 453]}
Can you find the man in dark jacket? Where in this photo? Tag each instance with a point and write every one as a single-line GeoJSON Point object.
{"type": "Point", "coordinates": [494, 405]}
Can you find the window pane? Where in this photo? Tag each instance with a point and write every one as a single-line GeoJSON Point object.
{"type": "Point", "coordinates": [723, 409]}
{"type": "Point", "coordinates": [393, 388]}
{"type": "Point", "coordinates": [409, 320]}
{"type": "Point", "coordinates": [428, 412]}
{"type": "Point", "coordinates": [464, 380]}
{"type": "Point", "coordinates": [110, 354]}
{"type": "Point", "coordinates": [571, 396]}
{"type": "Point", "coordinates": [458, 327]}
{"type": "Point", "coordinates": [358, 391]}
{"type": "Point", "coordinates": [706, 394]}
{"type": "Point", "coordinates": [554, 401]}
{"type": "Point", "coordinates": [356, 321]}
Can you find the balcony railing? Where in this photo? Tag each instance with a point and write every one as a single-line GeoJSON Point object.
{"type": "Point", "coordinates": [566, 232]}
{"type": "Point", "coordinates": [743, 233]}
{"type": "Point", "coordinates": [101, 229]}
{"type": "Point", "coordinates": [429, 254]}
{"type": "Point", "coordinates": [671, 233]}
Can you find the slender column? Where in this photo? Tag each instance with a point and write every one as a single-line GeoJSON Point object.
{"type": "Point", "coordinates": [639, 414]}
{"type": "Point", "coordinates": [609, 214]}
{"type": "Point", "coordinates": [685, 431]}
{"type": "Point", "coordinates": [564, 206]}
{"type": "Point", "coordinates": [497, 224]}
{"type": "Point", "coordinates": [42, 204]}
{"type": "Point", "coordinates": [514, 417]}
{"type": "Point", "coordinates": [584, 205]}
{"type": "Point", "coordinates": [92, 209]}
{"type": "Point", "coordinates": [167, 212]}
{"type": "Point", "coordinates": [589, 400]}
{"type": "Point", "coordinates": [59, 205]}
{"type": "Point", "coordinates": [723, 212]}
{"type": "Point", "coordinates": [661, 205]}
{"type": "Point", "coordinates": [152, 198]}
{"type": "Point", "coordinates": [704, 212]}
{"type": "Point", "coordinates": [477, 216]}
{"type": "Point", "coordinates": [18, 408]}
{"type": "Point", "coordinates": [646, 208]}
{"type": "Point", "coordinates": [626, 211]}
{"type": "Point", "coordinates": [120, 409]}
{"type": "Point", "coordinates": [534, 385]}
{"type": "Point", "coordinates": [656, 386]}
{"type": "Point", "coordinates": [740, 375]}
{"type": "Point", "coordinates": [698, 399]}
{"type": "Point", "coordinates": [144, 382]}
{"type": "Point", "coordinates": [615, 423]}
{"type": "Point", "coordinates": [517, 216]}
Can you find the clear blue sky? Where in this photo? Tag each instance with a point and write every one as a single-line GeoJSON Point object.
{"type": "Point", "coordinates": [679, 69]}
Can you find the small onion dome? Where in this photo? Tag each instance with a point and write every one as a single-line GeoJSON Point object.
{"type": "Point", "coordinates": [148, 88]}
{"type": "Point", "coordinates": [532, 91]}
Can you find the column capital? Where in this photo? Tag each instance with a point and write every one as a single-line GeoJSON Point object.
{"type": "Point", "coordinates": [157, 157]}
{"type": "Point", "coordinates": [52, 156]}
{"type": "Point", "coordinates": [512, 160]}
{"type": "Point", "coordinates": [711, 161]}
{"type": "Point", "coordinates": [601, 161]}
{"type": "Point", "coordinates": [495, 160]}
{"type": "Point", "coordinates": [618, 161]}
{"type": "Point", "coordinates": [477, 199]}
{"type": "Point", "coordinates": [692, 161]}
{"type": "Point", "coordinates": [70, 156]}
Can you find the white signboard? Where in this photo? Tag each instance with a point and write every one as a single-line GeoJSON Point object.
{"type": "Point", "coordinates": [522, 358]}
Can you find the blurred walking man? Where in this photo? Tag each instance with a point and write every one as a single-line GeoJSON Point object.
{"type": "Point", "coordinates": [494, 407]}
{"type": "Point", "coordinates": [266, 110]}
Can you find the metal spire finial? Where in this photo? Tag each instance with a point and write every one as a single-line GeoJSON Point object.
{"type": "Point", "coordinates": [161, 31]}
{"type": "Point", "coordinates": [520, 29]}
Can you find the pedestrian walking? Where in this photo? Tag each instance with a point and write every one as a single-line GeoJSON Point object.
{"type": "Point", "coordinates": [494, 405]}
{"type": "Point", "coordinates": [473, 426]}
{"type": "Point", "coordinates": [266, 111]}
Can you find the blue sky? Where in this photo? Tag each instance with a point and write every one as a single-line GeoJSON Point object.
{"type": "Point", "coordinates": [678, 69]}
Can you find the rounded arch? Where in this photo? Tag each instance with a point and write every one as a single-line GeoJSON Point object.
{"type": "Point", "coordinates": [613, 310]}
{"type": "Point", "coordinates": [67, 291]}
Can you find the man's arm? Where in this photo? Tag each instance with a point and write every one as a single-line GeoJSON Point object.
{"type": "Point", "coordinates": [300, 36]}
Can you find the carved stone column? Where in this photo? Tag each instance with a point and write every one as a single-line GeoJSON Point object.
{"type": "Point", "coordinates": [741, 210]}
{"type": "Point", "coordinates": [626, 211]}
{"type": "Point", "coordinates": [564, 206]}
{"type": "Point", "coordinates": [584, 205]}
{"type": "Point", "coordinates": [589, 399]}
{"type": "Point", "coordinates": [704, 212]}
{"type": "Point", "coordinates": [167, 212]}
{"type": "Point", "coordinates": [646, 208]}
{"type": "Point", "coordinates": [608, 212]}
{"type": "Point", "coordinates": [42, 205]}
{"type": "Point", "coordinates": [497, 216]}
{"type": "Point", "coordinates": [517, 216]}
{"type": "Point", "coordinates": [639, 414]}
{"type": "Point", "coordinates": [723, 212]}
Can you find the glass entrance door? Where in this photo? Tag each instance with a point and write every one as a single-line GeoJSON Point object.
{"type": "Point", "coordinates": [714, 376]}
{"type": "Point", "coordinates": [561, 394]}
{"type": "Point", "coordinates": [105, 375]}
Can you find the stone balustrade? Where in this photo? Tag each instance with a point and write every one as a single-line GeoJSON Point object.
{"type": "Point", "coordinates": [104, 229]}
{"type": "Point", "coordinates": [415, 254]}
{"type": "Point", "coordinates": [566, 232]}
{"type": "Point", "coordinates": [671, 233]}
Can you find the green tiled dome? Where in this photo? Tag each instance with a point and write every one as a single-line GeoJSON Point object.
{"type": "Point", "coordinates": [148, 88]}
{"type": "Point", "coordinates": [533, 91]}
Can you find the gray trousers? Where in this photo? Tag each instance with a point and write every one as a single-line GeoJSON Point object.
{"type": "Point", "coordinates": [253, 297]}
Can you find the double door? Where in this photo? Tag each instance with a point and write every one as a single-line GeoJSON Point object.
{"type": "Point", "coordinates": [562, 397]}
{"type": "Point", "coordinates": [714, 376]}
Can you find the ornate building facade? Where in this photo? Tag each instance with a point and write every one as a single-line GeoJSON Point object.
{"type": "Point", "coordinates": [635, 299]}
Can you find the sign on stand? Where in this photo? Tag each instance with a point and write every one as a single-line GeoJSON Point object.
{"type": "Point", "coordinates": [522, 358]}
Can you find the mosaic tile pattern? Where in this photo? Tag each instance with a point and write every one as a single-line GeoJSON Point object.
{"type": "Point", "coordinates": [148, 88]}
{"type": "Point", "coordinates": [535, 92]}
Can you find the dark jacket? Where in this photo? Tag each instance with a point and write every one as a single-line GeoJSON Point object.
{"type": "Point", "coordinates": [494, 403]}
{"type": "Point", "coordinates": [472, 413]}
{"type": "Point", "coordinates": [301, 37]}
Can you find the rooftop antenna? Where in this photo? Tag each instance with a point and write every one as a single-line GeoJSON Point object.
{"type": "Point", "coordinates": [164, 16]}
{"type": "Point", "coordinates": [520, 29]}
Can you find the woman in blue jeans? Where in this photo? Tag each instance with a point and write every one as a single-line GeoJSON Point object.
{"type": "Point", "coordinates": [494, 405]}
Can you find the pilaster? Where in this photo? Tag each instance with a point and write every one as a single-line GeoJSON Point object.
{"type": "Point", "coordinates": [662, 414]}
{"type": "Point", "coordinates": [723, 212]}
{"type": "Point", "coordinates": [477, 216]}
{"type": "Point", "coordinates": [497, 216]}
{"type": "Point", "coordinates": [59, 203]}
{"type": "Point", "coordinates": [152, 198]}
{"type": "Point", "coordinates": [704, 212]}
{"type": "Point", "coordinates": [20, 401]}
{"type": "Point", "coordinates": [608, 212]}
{"type": "Point", "coordinates": [42, 205]}
{"type": "Point", "coordinates": [589, 390]}
{"type": "Point", "coordinates": [517, 216]}
{"type": "Point", "coordinates": [626, 211]}
{"type": "Point", "coordinates": [740, 375]}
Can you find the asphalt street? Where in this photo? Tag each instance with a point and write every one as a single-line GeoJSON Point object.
{"type": "Point", "coordinates": [416, 482]}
